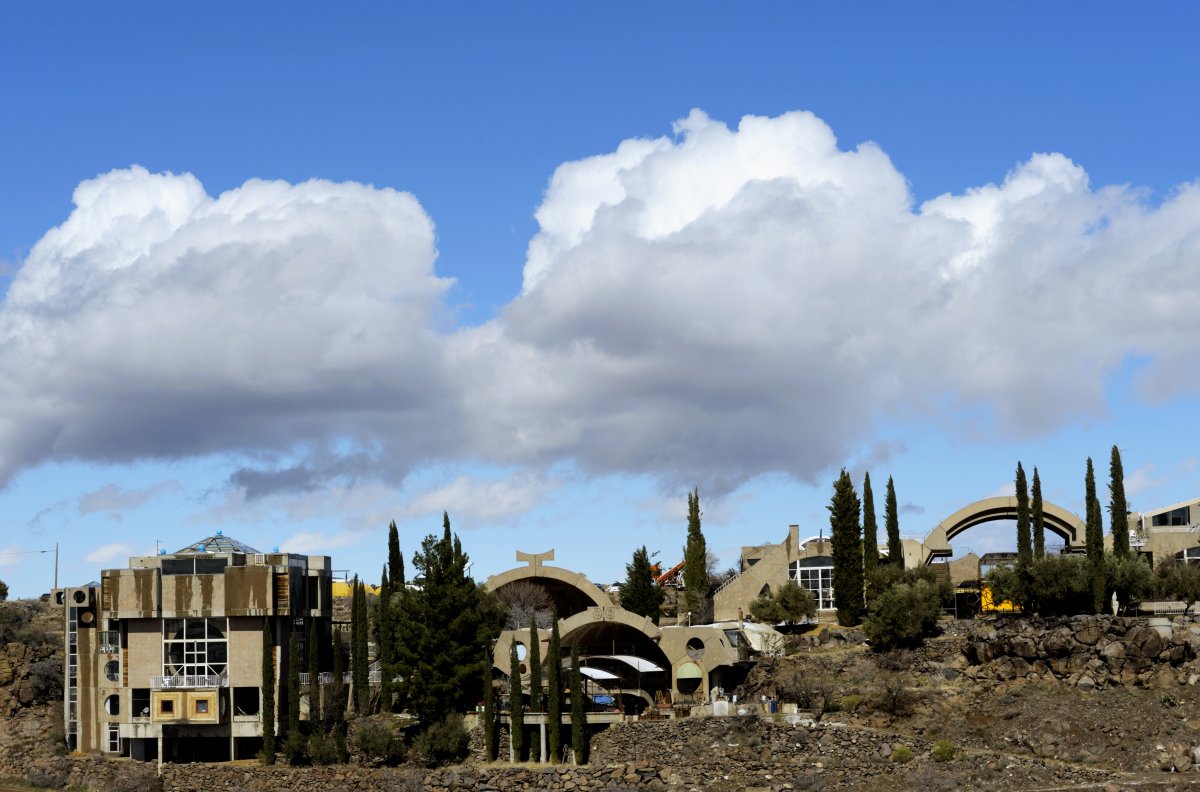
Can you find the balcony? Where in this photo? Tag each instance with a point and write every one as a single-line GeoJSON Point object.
{"type": "Point", "coordinates": [109, 642]}
{"type": "Point", "coordinates": [180, 682]}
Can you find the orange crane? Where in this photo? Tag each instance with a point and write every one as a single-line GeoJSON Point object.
{"type": "Point", "coordinates": [663, 578]}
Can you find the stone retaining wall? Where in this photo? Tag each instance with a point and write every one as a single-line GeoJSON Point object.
{"type": "Point", "coordinates": [1088, 651]}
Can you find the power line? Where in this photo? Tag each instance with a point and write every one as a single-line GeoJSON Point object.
{"type": "Point", "coordinates": [23, 552]}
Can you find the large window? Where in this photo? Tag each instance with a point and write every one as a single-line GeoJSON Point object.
{"type": "Point", "coordinates": [194, 647]}
{"type": "Point", "coordinates": [1176, 517]}
{"type": "Point", "coordinates": [816, 575]}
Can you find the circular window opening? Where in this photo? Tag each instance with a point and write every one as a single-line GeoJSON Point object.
{"type": "Point", "coordinates": [521, 651]}
{"type": "Point", "coordinates": [112, 671]}
{"type": "Point", "coordinates": [80, 597]}
{"type": "Point", "coordinates": [695, 648]}
{"type": "Point", "coordinates": [688, 678]}
{"type": "Point", "coordinates": [60, 597]}
{"type": "Point", "coordinates": [112, 705]}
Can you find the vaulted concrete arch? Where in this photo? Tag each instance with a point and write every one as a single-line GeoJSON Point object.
{"type": "Point", "coordinates": [572, 592]}
{"type": "Point", "coordinates": [1059, 521]}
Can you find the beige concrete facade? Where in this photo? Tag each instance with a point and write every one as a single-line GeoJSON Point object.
{"type": "Point", "coordinates": [635, 662]}
{"type": "Point", "coordinates": [1168, 532]}
{"type": "Point", "coordinates": [164, 658]}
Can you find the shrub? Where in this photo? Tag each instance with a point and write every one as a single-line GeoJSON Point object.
{"type": "Point", "coordinates": [791, 605]}
{"type": "Point", "coordinates": [444, 742]}
{"type": "Point", "coordinates": [323, 749]}
{"type": "Point", "coordinates": [894, 698]}
{"type": "Point", "coordinates": [850, 703]}
{"type": "Point", "coordinates": [295, 748]}
{"type": "Point", "coordinates": [46, 680]}
{"type": "Point", "coordinates": [943, 751]}
{"type": "Point", "coordinates": [378, 743]}
{"type": "Point", "coordinates": [1056, 585]}
{"type": "Point", "coordinates": [904, 615]}
{"type": "Point", "coordinates": [902, 754]}
{"type": "Point", "coordinates": [1176, 581]}
{"type": "Point", "coordinates": [810, 691]}
{"type": "Point", "coordinates": [1129, 577]}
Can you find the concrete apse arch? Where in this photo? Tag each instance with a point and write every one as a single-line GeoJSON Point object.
{"type": "Point", "coordinates": [1059, 521]}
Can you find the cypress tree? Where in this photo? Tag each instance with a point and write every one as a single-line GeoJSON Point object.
{"type": "Point", "coordinates": [639, 593]}
{"type": "Point", "coordinates": [384, 637]}
{"type": "Point", "coordinates": [535, 668]}
{"type": "Point", "coordinates": [268, 694]}
{"type": "Point", "coordinates": [870, 535]}
{"type": "Point", "coordinates": [1118, 509]}
{"type": "Point", "coordinates": [489, 712]}
{"type": "Point", "coordinates": [314, 671]}
{"type": "Point", "coordinates": [337, 697]}
{"type": "Point", "coordinates": [294, 744]}
{"type": "Point", "coordinates": [395, 562]}
{"type": "Point", "coordinates": [578, 713]}
{"type": "Point", "coordinates": [891, 519]}
{"type": "Point", "coordinates": [846, 538]}
{"type": "Point", "coordinates": [695, 563]}
{"type": "Point", "coordinates": [1095, 540]}
{"type": "Point", "coordinates": [360, 667]}
{"type": "Point", "coordinates": [1024, 545]}
{"type": "Point", "coordinates": [554, 682]}
{"type": "Point", "coordinates": [1039, 518]}
{"type": "Point", "coordinates": [516, 712]}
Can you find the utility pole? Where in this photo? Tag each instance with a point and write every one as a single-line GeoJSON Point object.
{"type": "Point", "coordinates": [56, 566]}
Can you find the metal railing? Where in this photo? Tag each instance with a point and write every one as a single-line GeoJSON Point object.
{"type": "Point", "coordinates": [199, 681]}
{"type": "Point", "coordinates": [109, 641]}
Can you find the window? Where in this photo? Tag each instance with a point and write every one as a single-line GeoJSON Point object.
{"type": "Point", "coordinates": [166, 707]}
{"type": "Point", "coordinates": [200, 565]}
{"type": "Point", "coordinates": [195, 647]}
{"type": "Point", "coordinates": [1176, 517]}
{"type": "Point", "coordinates": [817, 578]}
{"type": "Point", "coordinates": [245, 700]}
{"type": "Point", "coordinates": [112, 671]}
{"type": "Point", "coordinates": [112, 705]}
{"type": "Point", "coordinates": [114, 739]}
{"type": "Point", "coordinates": [139, 702]}
{"type": "Point", "coordinates": [202, 707]}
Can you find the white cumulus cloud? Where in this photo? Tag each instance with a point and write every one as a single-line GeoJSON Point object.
{"type": "Point", "coordinates": [704, 307]}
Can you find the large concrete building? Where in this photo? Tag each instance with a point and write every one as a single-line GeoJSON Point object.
{"type": "Point", "coordinates": [1168, 532]}
{"type": "Point", "coordinates": [631, 664]}
{"type": "Point", "coordinates": [164, 658]}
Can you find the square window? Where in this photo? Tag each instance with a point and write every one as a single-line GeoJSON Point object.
{"type": "Point", "coordinates": [166, 707]}
{"type": "Point", "coordinates": [202, 707]}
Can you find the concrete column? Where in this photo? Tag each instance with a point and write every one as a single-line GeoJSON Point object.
{"type": "Point", "coordinates": [542, 730]}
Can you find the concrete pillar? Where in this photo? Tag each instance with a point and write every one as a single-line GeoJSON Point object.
{"type": "Point", "coordinates": [542, 730]}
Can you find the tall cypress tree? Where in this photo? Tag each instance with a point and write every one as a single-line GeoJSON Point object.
{"type": "Point", "coordinates": [579, 742]}
{"type": "Point", "coordinates": [639, 593]}
{"type": "Point", "coordinates": [1039, 518]}
{"type": "Point", "coordinates": [891, 519]}
{"type": "Point", "coordinates": [395, 561]}
{"type": "Point", "coordinates": [554, 683]}
{"type": "Point", "coordinates": [294, 743]}
{"type": "Point", "coordinates": [489, 711]}
{"type": "Point", "coordinates": [337, 696]}
{"type": "Point", "coordinates": [1024, 545]}
{"type": "Point", "coordinates": [268, 694]}
{"type": "Point", "coordinates": [846, 538]}
{"type": "Point", "coordinates": [695, 563]}
{"type": "Point", "coordinates": [384, 637]}
{"type": "Point", "coordinates": [516, 712]}
{"type": "Point", "coordinates": [360, 667]}
{"type": "Point", "coordinates": [1095, 539]}
{"type": "Point", "coordinates": [1118, 509]}
{"type": "Point", "coordinates": [314, 671]}
{"type": "Point", "coordinates": [870, 535]}
{"type": "Point", "coordinates": [535, 668]}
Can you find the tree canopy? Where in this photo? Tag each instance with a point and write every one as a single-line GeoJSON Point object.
{"type": "Point", "coordinates": [695, 563]}
{"type": "Point", "coordinates": [846, 537]}
{"type": "Point", "coordinates": [639, 593]}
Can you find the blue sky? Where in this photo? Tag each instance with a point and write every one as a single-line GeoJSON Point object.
{"type": "Point", "coordinates": [559, 265]}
